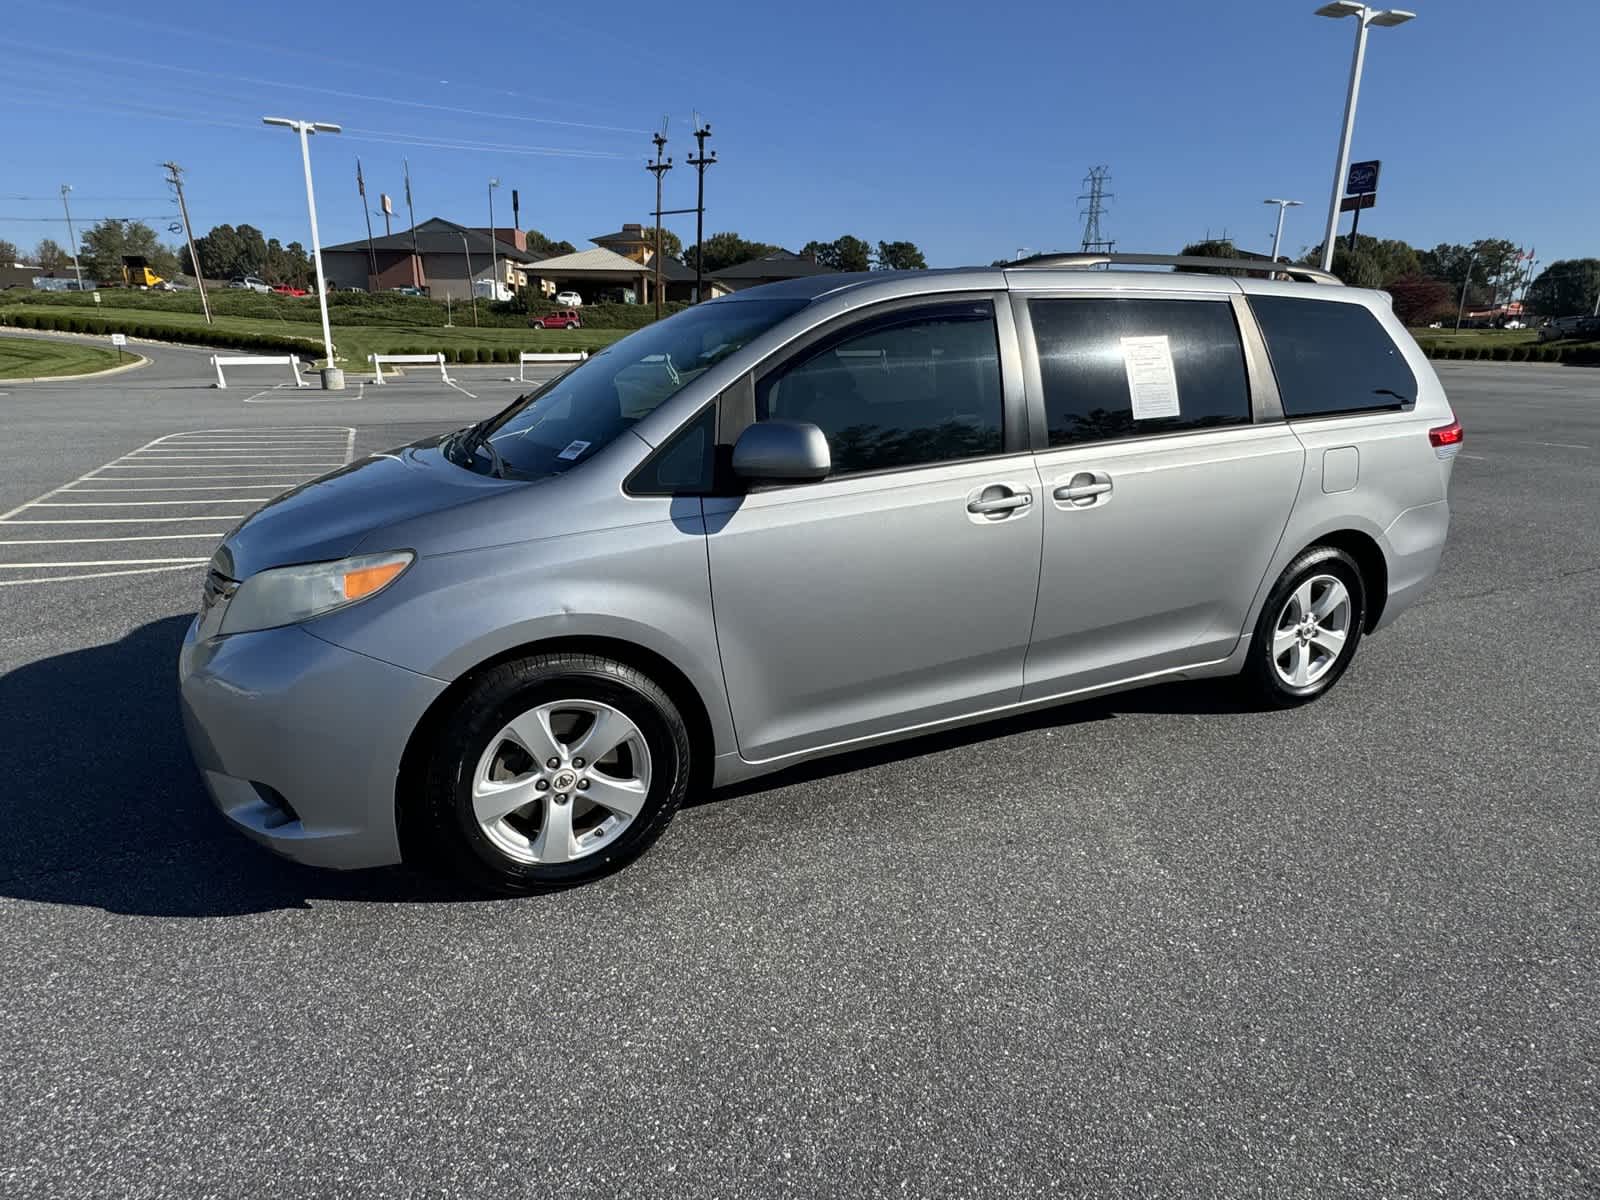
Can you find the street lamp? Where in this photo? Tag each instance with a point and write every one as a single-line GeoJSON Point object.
{"type": "Point", "coordinates": [332, 377]}
{"type": "Point", "coordinates": [1278, 236]}
{"type": "Point", "coordinates": [494, 258]}
{"type": "Point", "coordinates": [1365, 17]}
{"type": "Point", "coordinates": [72, 238]}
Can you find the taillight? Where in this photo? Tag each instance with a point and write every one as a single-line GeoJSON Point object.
{"type": "Point", "coordinates": [1444, 436]}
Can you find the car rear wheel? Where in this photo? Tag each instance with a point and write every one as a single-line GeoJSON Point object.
{"type": "Point", "coordinates": [552, 771]}
{"type": "Point", "coordinates": [1308, 629]}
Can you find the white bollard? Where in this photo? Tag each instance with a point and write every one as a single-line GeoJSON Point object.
{"type": "Point", "coordinates": [435, 360]}
{"type": "Point", "coordinates": [258, 360]}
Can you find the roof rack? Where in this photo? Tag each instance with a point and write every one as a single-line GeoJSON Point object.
{"type": "Point", "coordinates": [1191, 262]}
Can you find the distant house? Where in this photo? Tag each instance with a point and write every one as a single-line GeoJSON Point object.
{"type": "Point", "coordinates": [444, 251]}
{"type": "Point", "coordinates": [779, 265]}
{"type": "Point", "coordinates": [620, 268]}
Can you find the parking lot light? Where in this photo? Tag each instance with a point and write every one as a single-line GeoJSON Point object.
{"type": "Point", "coordinates": [332, 377]}
{"type": "Point", "coordinates": [1365, 17]}
{"type": "Point", "coordinates": [1278, 236]}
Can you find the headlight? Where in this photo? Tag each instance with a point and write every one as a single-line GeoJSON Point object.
{"type": "Point", "coordinates": [285, 595]}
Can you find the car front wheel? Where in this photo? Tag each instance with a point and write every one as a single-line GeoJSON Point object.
{"type": "Point", "coordinates": [554, 770]}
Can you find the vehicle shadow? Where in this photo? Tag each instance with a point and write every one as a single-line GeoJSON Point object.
{"type": "Point", "coordinates": [102, 806]}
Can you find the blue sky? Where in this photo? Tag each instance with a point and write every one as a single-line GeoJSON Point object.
{"type": "Point", "coordinates": [964, 127]}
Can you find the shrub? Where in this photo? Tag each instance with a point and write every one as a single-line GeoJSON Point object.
{"type": "Point", "coordinates": [502, 355]}
{"type": "Point", "coordinates": [1519, 354]}
{"type": "Point", "coordinates": [1502, 353]}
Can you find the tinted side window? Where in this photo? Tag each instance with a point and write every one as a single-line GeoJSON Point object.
{"type": "Point", "coordinates": [1331, 357]}
{"type": "Point", "coordinates": [1096, 358]}
{"type": "Point", "coordinates": [921, 386]}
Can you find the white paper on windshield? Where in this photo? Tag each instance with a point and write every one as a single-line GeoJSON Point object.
{"type": "Point", "coordinates": [1151, 380]}
{"type": "Point", "coordinates": [573, 450]}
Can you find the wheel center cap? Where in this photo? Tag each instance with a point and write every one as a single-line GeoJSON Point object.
{"type": "Point", "coordinates": [563, 781]}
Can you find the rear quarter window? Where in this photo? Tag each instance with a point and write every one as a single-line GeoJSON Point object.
{"type": "Point", "coordinates": [1332, 357]}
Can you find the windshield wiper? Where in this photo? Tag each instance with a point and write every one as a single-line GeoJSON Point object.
{"type": "Point", "coordinates": [474, 436]}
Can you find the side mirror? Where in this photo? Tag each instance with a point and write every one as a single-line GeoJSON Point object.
{"type": "Point", "coordinates": [782, 451]}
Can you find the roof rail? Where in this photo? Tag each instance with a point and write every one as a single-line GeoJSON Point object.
{"type": "Point", "coordinates": [1190, 262]}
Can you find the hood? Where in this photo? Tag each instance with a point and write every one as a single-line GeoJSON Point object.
{"type": "Point", "coordinates": [329, 517]}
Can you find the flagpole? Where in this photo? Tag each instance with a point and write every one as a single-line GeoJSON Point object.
{"type": "Point", "coordinates": [372, 254]}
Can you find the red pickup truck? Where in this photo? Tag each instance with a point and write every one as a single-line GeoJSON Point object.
{"type": "Point", "coordinates": [566, 318]}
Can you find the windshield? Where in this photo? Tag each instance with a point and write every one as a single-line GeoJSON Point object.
{"type": "Point", "coordinates": [569, 419]}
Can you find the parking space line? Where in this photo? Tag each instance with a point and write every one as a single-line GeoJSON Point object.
{"type": "Point", "coordinates": [133, 497]}
{"type": "Point", "coordinates": [96, 575]}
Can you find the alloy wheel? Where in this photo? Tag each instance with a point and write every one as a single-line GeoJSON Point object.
{"type": "Point", "coordinates": [1311, 631]}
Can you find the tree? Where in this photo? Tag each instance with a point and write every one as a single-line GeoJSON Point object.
{"type": "Point", "coordinates": [1357, 268]}
{"type": "Point", "coordinates": [1384, 259]}
{"type": "Point", "coordinates": [538, 243]}
{"type": "Point", "coordinates": [226, 252]}
{"type": "Point", "coordinates": [671, 246]}
{"type": "Point", "coordinates": [900, 256]}
{"type": "Point", "coordinates": [1450, 262]}
{"type": "Point", "coordinates": [8, 252]}
{"type": "Point", "coordinates": [1494, 263]}
{"type": "Point", "coordinates": [1566, 287]}
{"type": "Point", "coordinates": [50, 256]}
{"type": "Point", "coordinates": [1212, 248]}
{"type": "Point", "coordinates": [725, 250]}
{"type": "Point", "coordinates": [287, 264]}
{"type": "Point", "coordinates": [842, 254]}
{"type": "Point", "coordinates": [107, 243]}
{"type": "Point", "coordinates": [1419, 300]}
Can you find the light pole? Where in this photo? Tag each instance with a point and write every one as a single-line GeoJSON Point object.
{"type": "Point", "coordinates": [472, 290]}
{"type": "Point", "coordinates": [494, 258]}
{"type": "Point", "coordinates": [332, 376]}
{"type": "Point", "coordinates": [1278, 236]}
{"type": "Point", "coordinates": [72, 238]}
{"type": "Point", "coordinates": [1365, 17]}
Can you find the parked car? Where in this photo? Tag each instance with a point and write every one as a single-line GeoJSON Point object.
{"type": "Point", "coordinates": [570, 299]}
{"type": "Point", "coordinates": [565, 319]}
{"type": "Point", "coordinates": [409, 290]}
{"type": "Point", "coordinates": [1562, 327]}
{"type": "Point", "coordinates": [285, 289]}
{"type": "Point", "coordinates": [250, 283]}
{"type": "Point", "coordinates": [919, 499]}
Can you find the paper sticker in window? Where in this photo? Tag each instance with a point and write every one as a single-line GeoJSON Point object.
{"type": "Point", "coordinates": [1152, 383]}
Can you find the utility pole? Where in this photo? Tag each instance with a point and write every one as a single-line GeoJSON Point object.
{"type": "Point", "coordinates": [658, 168]}
{"type": "Point", "coordinates": [494, 257]}
{"type": "Point", "coordinates": [175, 178]}
{"type": "Point", "coordinates": [1462, 308]}
{"type": "Point", "coordinates": [372, 255]}
{"type": "Point", "coordinates": [1094, 241]}
{"type": "Point", "coordinates": [416, 258]}
{"type": "Point", "coordinates": [700, 162]}
{"type": "Point", "coordinates": [72, 238]}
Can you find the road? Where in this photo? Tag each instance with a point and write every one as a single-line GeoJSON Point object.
{"type": "Point", "coordinates": [1149, 945]}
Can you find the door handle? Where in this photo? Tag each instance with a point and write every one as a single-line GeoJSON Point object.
{"type": "Point", "coordinates": [1000, 504]}
{"type": "Point", "coordinates": [1085, 489]}
{"type": "Point", "coordinates": [1081, 491]}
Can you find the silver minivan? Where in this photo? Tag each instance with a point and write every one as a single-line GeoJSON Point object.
{"type": "Point", "coordinates": [805, 518]}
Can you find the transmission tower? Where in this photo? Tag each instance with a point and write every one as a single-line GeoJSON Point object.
{"type": "Point", "coordinates": [1094, 239]}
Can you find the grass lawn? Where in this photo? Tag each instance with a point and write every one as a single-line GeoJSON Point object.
{"type": "Point", "coordinates": [1477, 337]}
{"type": "Point", "coordinates": [352, 342]}
{"type": "Point", "coordinates": [31, 358]}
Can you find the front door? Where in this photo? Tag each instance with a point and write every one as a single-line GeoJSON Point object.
{"type": "Point", "coordinates": [1163, 495]}
{"type": "Point", "coordinates": [900, 590]}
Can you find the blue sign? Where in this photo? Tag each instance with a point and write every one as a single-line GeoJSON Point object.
{"type": "Point", "coordinates": [1363, 178]}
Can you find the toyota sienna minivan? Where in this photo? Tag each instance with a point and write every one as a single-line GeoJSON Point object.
{"type": "Point", "coordinates": [805, 518]}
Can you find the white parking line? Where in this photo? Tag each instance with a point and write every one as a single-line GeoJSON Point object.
{"type": "Point", "coordinates": [251, 467]}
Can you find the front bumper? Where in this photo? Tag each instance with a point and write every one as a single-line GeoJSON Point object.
{"type": "Point", "coordinates": [299, 741]}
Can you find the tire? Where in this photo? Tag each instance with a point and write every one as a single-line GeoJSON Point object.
{"type": "Point", "coordinates": [1272, 677]}
{"type": "Point", "coordinates": [562, 836]}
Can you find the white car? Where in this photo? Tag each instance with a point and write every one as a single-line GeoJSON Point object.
{"type": "Point", "coordinates": [250, 283]}
{"type": "Point", "coordinates": [570, 299]}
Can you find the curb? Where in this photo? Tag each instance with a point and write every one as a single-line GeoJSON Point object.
{"type": "Point", "coordinates": [139, 360]}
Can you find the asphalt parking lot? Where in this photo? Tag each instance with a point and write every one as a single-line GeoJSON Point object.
{"type": "Point", "coordinates": [1153, 945]}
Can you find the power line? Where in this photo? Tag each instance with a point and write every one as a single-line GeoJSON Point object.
{"type": "Point", "coordinates": [280, 84]}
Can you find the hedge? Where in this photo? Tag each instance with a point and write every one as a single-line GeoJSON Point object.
{"type": "Point", "coordinates": [1585, 355]}
{"type": "Point", "coordinates": [102, 326]}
